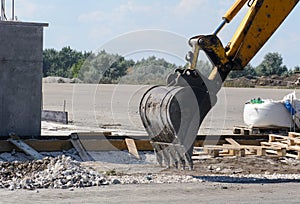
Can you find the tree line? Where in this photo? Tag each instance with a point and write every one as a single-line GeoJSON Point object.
{"type": "Point", "coordinates": [103, 67]}
{"type": "Point", "coordinates": [272, 64]}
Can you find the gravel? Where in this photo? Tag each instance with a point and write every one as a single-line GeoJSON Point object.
{"type": "Point", "coordinates": [155, 178]}
{"type": "Point", "coordinates": [58, 172]}
{"type": "Point", "coordinates": [63, 172]}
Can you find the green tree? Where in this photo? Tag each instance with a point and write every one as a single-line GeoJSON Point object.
{"type": "Point", "coordinates": [76, 68]}
{"type": "Point", "coordinates": [104, 68]}
{"type": "Point", "coordinates": [59, 63]}
{"type": "Point", "coordinates": [149, 71]}
{"type": "Point", "coordinates": [272, 64]}
{"type": "Point", "coordinates": [50, 60]}
{"type": "Point", "coordinates": [68, 57]}
{"type": "Point", "coordinates": [296, 68]}
{"type": "Point", "coordinates": [116, 70]}
{"type": "Point", "coordinates": [247, 71]}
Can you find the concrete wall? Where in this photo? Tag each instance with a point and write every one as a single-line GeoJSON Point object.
{"type": "Point", "coordinates": [21, 55]}
{"type": "Point", "coordinates": [55, 116]}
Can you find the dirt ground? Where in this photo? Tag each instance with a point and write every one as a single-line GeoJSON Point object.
{"type": "Point", "coordinates": [224, 180]}
{"type": "Point", "coordinates": [243, 165]}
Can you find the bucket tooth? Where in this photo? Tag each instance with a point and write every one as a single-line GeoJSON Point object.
{"type": "Point", "coordinates": [166, 156]}
{"type": "Point", "coordinates": [174, 157]}
{"type": "Point", "coordinates": [158, 153]}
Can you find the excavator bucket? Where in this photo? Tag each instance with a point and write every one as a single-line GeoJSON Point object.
{"type": "Point", "coordinates": [172, 116]}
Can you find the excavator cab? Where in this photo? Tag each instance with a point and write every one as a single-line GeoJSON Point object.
{"type": "Point", "coordinates": [172, 114]}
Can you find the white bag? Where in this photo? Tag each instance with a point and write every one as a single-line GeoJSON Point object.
{"type": "Point", "coordinates": [296, 106]}
{"type": "Point", "coordinates": [267, 114]}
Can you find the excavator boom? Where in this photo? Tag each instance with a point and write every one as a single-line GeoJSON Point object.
{"type": "Point", "coordinates": [172, 114]}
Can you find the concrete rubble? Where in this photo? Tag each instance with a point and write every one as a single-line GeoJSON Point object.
{"type": "Point", "coordinates": [63, 172]}
{"type": "Point", "coordinates": [58, 172]}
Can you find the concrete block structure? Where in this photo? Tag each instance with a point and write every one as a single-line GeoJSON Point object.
{"type": "Point", "coordinates": [21, 60]}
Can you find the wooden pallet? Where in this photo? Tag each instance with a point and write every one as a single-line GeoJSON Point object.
{"type": "Point", "coordinates": [276, 146]}
{"type": "Point", "coordinates": [248, 130]}
{"type": "Point", "coordinates": [230, 150]}
{"type": "Point", "coordinates": [283, 146]}
{"type": "Point", "coordinates": [233, 148]}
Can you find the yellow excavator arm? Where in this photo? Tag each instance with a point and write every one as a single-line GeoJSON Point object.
{"type": "Point", "coordinates": [258, 25]}
{"type": "Point", "coordinates": [172, 114]}
{"type": "Point", "coordinates": [261, 21]}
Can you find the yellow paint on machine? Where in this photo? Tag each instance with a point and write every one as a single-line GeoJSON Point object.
{"type": "Point", "coordinates": [261, 21]}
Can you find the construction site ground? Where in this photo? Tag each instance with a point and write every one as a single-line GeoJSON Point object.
{"type": "Point", "coordinates": [250, 179]}
{"type": "Point", "coordinates": [163, 193]}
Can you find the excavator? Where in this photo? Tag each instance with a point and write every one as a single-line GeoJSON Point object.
{"type": "Point", "coordinates": [172, 114]}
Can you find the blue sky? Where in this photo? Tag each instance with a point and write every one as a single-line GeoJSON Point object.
{"type": "Point", "coordinates": [88, 25]}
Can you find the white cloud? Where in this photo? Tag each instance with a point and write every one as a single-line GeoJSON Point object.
{"type": "Point", "coordinates": [188, 6]}
{"type": "Point", "coordinates": [118, 14]}
{"type": "Point", "coordinates": [132, 7]}
{"type": "Point", "coordinates": [106, 24]}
